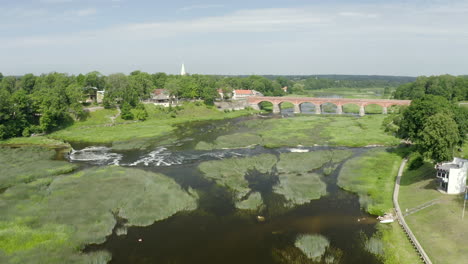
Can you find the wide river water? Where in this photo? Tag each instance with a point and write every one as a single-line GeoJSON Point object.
{"type": "Point", "coordinates": [217, 232]}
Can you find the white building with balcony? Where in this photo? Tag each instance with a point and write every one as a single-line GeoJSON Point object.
{"type": "Point", "coordinates": [452, 176]}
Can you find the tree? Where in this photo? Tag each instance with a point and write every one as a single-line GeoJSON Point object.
{"type": "Point", "coordinates": [439, 137]}
{"type": "Point", "coordinates": [27, 82]}
{"type": "Point", "coordinates": [126, 111]}
{"type": "Point", "coordinates": [140, 112]}
{"type": "Point", "coordinates": [173, 87]}
{"type": "Point", "coordinates": [159, 79]}
{"type": "Point", "coordinates": [415, 116]}
{"type": "Point", "coordinates": [116, 86]}
{"type": "Point", "coordinates": [9, 83]}
{"type": "Point", "coordinates": [94, 79]}
{"type": "Point", "coordinates": [141, 83]}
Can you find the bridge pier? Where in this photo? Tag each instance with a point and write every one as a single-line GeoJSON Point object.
{"type": "Point", "coordinates": [297, 109]}
{"type": "Point", "coordinates": [255, 107]}
{"type": "Point", "coordinates": [276, 109]}
{"type": "Point", "coordinates": [339, 109]}
{"type": "Point", "coordinates": [362, 111]}
{"type": "Point", "coordinates": [318, 109]}
{"type": "Point", "coordinates": [384, 110]}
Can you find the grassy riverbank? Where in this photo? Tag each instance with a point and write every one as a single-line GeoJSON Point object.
{"type": "Point", "coordinates": [307, 130]}
{"type": "Point", "coordinates": [372, 177]}
{"type": "Point", "coordinates": [438, 227]}
{"type": "Point", "coordinates": [42, 141]}
{"type": "Point", "coordinates": [99, 128]}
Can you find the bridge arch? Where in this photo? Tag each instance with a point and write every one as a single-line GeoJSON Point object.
{"type": "Point", "coordinates": [374, 108]}
{"type": "Point", "coordinates": [326, 104]}
{"type": "Point", "coordinates": [308, 107]}
{"type": "Point", "coordinates": [265, 106]}
{"type": "Point", "coordinates": [350, 108]}
{"type": "Point", "coordinates": [286, 107]}
{"type": "Point", "coordinates": [330, 107]}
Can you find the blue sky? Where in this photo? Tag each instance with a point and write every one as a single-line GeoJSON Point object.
{"type": "Point", "coordinates": [235, 37]}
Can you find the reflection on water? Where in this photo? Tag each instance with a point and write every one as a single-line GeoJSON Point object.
{"type": "Point", "coordinates": [219, 233]}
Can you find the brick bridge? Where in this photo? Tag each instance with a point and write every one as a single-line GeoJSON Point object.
{"type": "Point", "coordinates": [318, 102]}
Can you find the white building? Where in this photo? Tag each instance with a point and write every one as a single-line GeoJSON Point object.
{"type": "Point", "coordinates": [452, 176]}
{"type": "Point", "coordinates": [239, 94]}
{"type": "Point", "coordinates": [182, 70]}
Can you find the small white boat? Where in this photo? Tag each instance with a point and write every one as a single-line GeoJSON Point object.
{"type": "Point", "coordinates": [298, 150]}
{"type": "Point", "coordinates": [387, 218]}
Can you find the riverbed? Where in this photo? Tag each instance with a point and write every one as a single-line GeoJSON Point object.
{"type": "Point", "coordinates": [218, 231]}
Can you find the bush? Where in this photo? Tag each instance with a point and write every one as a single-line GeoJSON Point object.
{"type": "Point", "coordinates": [416, 163]}
{"type": "Point", "coordinates": [126, 112]}
{"type": "Point", "coordinates": [140, 112]}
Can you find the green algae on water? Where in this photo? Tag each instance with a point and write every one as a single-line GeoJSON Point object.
{"type": "Point", "coordinates": [65, 213]}
{"type": "Point", "coordinates": [313, 246]}
{"type": "Point", "coordinates": [26, 164]}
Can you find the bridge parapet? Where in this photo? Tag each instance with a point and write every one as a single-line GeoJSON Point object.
{"type": "Point", "coordinates": [318, 102]}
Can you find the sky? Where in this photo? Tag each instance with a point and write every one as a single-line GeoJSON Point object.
{"type": "Point", "coordinates": [284, 37]}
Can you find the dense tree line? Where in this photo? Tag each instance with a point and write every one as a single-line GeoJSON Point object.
{"type": "Point", "coordinates": [32, 104]}
{"type": "Point", "coordinates": [35, 104]}
{"type": "Point", "coordinates": [452, 88]}
{"type": "Point", "coordinates": [436, 125]}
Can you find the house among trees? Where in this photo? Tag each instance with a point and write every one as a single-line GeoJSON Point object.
{"type": "Point", "coordinates": [240, 94]}
{"type": "Point", "coordinates": [452, 176]}
{"type": "Point", "coordinates": [161, 97]}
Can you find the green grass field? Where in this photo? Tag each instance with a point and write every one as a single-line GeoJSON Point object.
{"type": "Point", "coordinates": [439, 227]}
{"type": "Point", "coordinates": [98, 127]}
{"type": "Point", "coordinates": [397, 248]}
{"type": "Point", "coordinates": [365, 93]}
{"type": "Point", "coordinates": [308, 130]}
{"type": "Point", "coordinates": [372, 177]}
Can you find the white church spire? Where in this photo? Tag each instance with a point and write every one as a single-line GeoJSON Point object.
{"type": "Point", "coordinates": [182, 70]}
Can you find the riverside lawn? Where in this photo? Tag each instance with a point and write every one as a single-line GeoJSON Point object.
{"type": "Point", "coordinates": [98, 127]}
{"type": "Point", "coordinates": [372, 177]}
{"type": "Point", "coordinates": [438, 227]}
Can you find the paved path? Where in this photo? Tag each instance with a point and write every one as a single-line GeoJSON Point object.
{"type": "Point", "coordinates": [401, 219]}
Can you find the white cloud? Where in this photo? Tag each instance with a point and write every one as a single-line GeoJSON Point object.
{"type": "Point", "coordinates": [56, 1]}
{"type": "Point", "coordinates": [192, 7]}
{"type": "Point", "coordinates": [392, 38]}
{"type": "Point", "coordinates": [357, 14]}
{"type": "Point", "coordinates": [86, 12]}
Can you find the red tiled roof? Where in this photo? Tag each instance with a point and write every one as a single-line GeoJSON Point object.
{"type": "Point", "coordinates": [159, 91]}
{"type": "Point", "coordinates": [245, 92]}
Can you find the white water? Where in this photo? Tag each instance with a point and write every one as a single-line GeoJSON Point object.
{"type": "Point", "coordinates": [96, 155]}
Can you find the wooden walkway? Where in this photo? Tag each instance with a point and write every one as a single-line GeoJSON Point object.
{"type": "Point", "coordinates": [401, 219]}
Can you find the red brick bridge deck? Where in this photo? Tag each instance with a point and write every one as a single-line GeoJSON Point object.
{"type": "Point", "coordinates": [318, 102]}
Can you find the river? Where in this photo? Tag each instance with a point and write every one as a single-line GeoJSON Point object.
{"type": "Point", "coordinates": [217, 232]}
